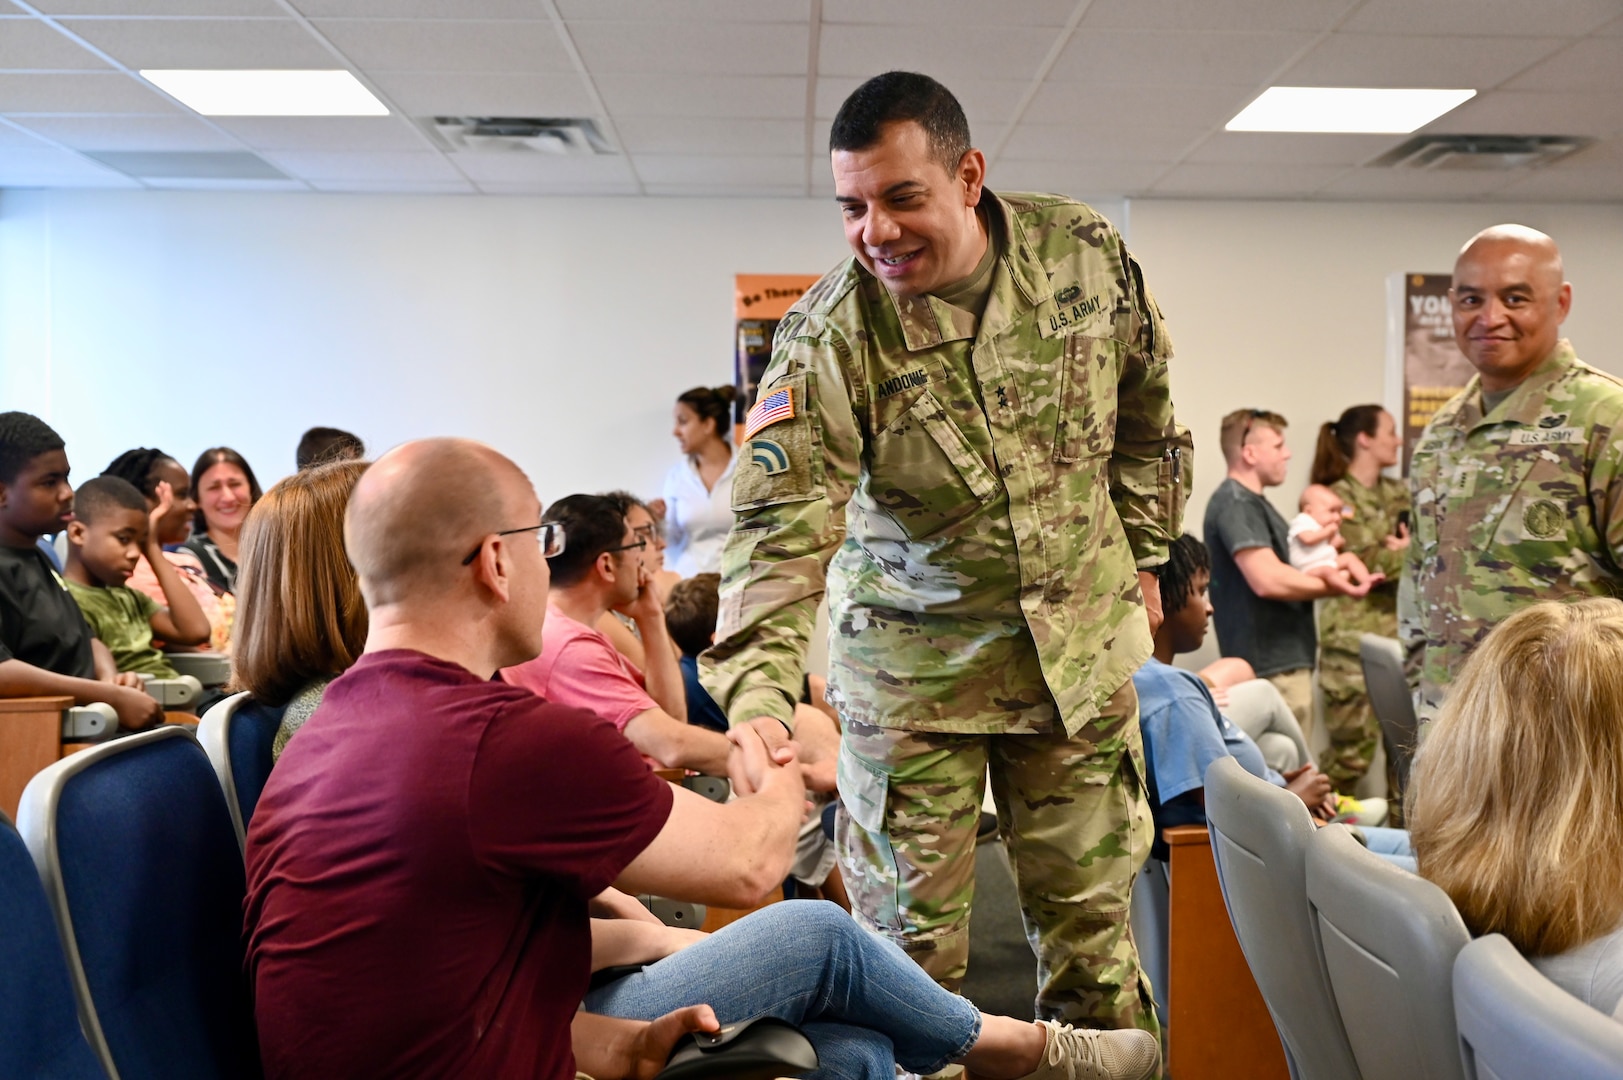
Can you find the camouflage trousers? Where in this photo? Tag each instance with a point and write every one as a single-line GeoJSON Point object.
{"type": "Point", "coordinates": [1075, 818]}
{"type": "Point", "coordinates": [1349, 719]}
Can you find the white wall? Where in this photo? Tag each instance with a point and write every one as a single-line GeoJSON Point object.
{"type": "Point", "coordinates": [560, 329]}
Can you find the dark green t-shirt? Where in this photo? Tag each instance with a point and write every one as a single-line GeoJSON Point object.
{"type": "Point", "coordinates": [122, 618]}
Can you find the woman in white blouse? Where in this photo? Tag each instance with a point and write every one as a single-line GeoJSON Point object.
{"type": "Point", "coordinates": [698, 489]}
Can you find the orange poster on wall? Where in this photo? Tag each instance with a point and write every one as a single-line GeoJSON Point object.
{"type": "Point", "coordinates": [759, 301]}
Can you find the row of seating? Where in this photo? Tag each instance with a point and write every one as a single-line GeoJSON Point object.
{"type": "Point", "coordinates": [1368, 971]}
{"type": "Point", "coordinates": [121, 897]}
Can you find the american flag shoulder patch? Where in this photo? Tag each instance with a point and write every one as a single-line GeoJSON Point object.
{"type": "Point", "coordinates": [779, 405]}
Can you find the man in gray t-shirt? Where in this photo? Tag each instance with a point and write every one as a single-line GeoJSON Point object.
{"type": "Point", "coordinates": [1264, 607]}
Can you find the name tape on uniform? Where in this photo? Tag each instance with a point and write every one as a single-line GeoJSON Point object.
{"type": "Point", "coordinates": [1545, 437]}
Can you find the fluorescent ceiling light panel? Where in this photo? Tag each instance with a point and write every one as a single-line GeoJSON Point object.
{"type": "Point", "coordinates": [268, 93]}
{"type": "Point", "coordinates": [1345, 109]}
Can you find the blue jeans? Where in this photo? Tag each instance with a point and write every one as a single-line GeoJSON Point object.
{"type": "Point", "coordinates": [861, 1001]}
{"type": "Point", "coordinates": [1391, 845]}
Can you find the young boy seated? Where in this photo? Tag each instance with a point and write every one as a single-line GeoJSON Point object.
{"type": "Point", "coordinates": [112, 528]}
{"type": "Point", "coordinates": [1315, 540]}
{"type": "Point", "coordinates": [46, 649]}
{"type": "Point", "coordinates": [690, 616]}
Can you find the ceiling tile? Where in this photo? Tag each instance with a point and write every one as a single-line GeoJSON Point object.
{"type": "Point", "coordinates": [1292, 148]}
{"type": "Point", "coordinates": [1076, 179]}
{"type": "Point", "coordinates": [1582, 185]}
{"type": "Point", "coordinates": [986, 102]}
{"type": "Point", "coordinates": [1159, 15]}
{"type": "Point", "coordinates": [1523, 112]}
{"type": "Point", "coordinates": [728, 11]}
{"type": "Point", "coordinates": [784, 170]}
{"type": "Point", "coordinates": [1611, 29]}
{"type": "Point", "coordinates": [405, 166]}
{"type": "Point", "coordinates": [580, 187]}
{"type": "Point", "coordinates": [344, 133]}
{"type": "Point", "coordinates": [1390, 60]}
{"type": "Point", "coordinates": [204, 43]}
{"type": "Point", "coordinates": [389, 187]}
{"type": "Point", "coordinates": [516, 167]}
{"type": "Point", "coordinates": [439, 45]}
{"type": "Point", "coordinates": [1507, 18]}
{"type": "Point", "coordinates": [1592, 64]}
{"type": "Point", "coordinates": [1099, 140]}
{"type": "Point", "coordinates": [48, 167]}
{"type": "Point", "coordinates": [219, 9]}
{"type": "Point", "coordinates": [717, 191]}
{"type": "Point", "coordinates": [1422, 184]}
{"type": "Point", "coordinates": [1123, 58]}
{"type": "Point", "coordinates": [674, 48]}
{"type": "Point", "coordinates": [130, 132]}
{"type": "Point", "coordinates": [430, 93]}
{"type": "Point", "coordinates": [1146, 106]}
{"type": "Point", "coordinates": [756, 96]}
{"type": "Point", "coordinates": [89, 93]}
{"type": "Point", "coordinates": [941, 50]}
{"type": "Point", "coordinates": [919, 13]}
{"type": "Point", "coordinates": [696, 135]}
{"type": "Point", "coordinates": [33, 45]}
{"type": "Point", "coordinates": [420, 9]}
{"type": "Point", "coordinates": [16, 138]}
{"type": "Point", "coordinates": [1211, 180]}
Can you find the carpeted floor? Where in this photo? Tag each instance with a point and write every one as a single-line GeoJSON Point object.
{"type": "Point", "coordinates": [1002, 970]}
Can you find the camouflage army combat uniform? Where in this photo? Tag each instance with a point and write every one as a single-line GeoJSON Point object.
{"type": "Point", "coordinates": [1522, 505]}
{"type": "Point", "coordinates": [979, 493]}
{"type": "Point", "coordinates": [1344, 619]}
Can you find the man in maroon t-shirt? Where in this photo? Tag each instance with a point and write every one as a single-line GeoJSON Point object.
{"type": "Point", "coordinates": [420, 863]}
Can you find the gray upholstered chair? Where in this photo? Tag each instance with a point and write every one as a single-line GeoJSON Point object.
{"type": "Point", "coordinates": [1389, 940]}
{"type": "Point", "coordinates": [1260, 834]}
{"type": "Point", "coordinates": [1389, 696]}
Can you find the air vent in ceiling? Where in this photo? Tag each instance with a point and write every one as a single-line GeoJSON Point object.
{"type": "Point", "coordinates": [563, 136]}
{"type": "Point", "coordinates": [1481, 151]}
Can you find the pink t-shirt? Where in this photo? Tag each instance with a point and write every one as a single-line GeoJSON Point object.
{"type": "Point", "coordinates": [580, 667]}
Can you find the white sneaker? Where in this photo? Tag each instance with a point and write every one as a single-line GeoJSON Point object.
{"type": "Point", "coordinates": [1087, 1054]}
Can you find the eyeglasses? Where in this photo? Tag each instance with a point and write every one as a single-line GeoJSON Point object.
{"type": "Point", "coordinates": [648, 532]}
{"type": "Point", "coordinates": [628, 547]}
{"type": "Point", "coordinates": [549, 533]}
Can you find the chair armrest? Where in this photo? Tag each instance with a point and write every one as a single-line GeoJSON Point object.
{"type": "Point", "coordinates": [675, 912]}
{"type": "Point", "coordinates": [208, 668]}
{"type": "Point", "coordinates": [174, 692]}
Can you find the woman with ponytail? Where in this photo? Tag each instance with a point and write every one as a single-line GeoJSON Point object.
{"type": "Point", "coordinates": [1349, 458]}
{"type": "Point", "coordinates": [698, 489]}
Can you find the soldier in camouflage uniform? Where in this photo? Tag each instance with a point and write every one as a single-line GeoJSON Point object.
{"type": "Point", "coordinates": [987, 481]}
{"type": "Point", "coordinates": [1517, 481]}
{"type": "Point", "coordinates": [1352, 451]}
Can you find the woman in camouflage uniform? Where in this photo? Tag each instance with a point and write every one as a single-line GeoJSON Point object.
{"type": "Point", "coordinates": [1349, 458]}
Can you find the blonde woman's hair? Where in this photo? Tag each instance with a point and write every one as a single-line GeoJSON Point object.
{"type": "Point", "coordinates": [300, 616]}
{"type": "Point", "coordinates": [1515, 805]}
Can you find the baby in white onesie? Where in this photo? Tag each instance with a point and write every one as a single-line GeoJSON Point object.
{"type": "Point", "coordinates": [1315, 540]}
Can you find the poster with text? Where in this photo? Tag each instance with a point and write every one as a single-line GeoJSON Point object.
{"type": "Point", "coordinates": [1434, 370]}
{"type": "Point", "coordinates": [759, 301]}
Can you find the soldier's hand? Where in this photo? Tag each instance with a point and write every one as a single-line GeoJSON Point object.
{"type": "Point", "coordinates": [819, 742]}
{"type": "Point", "coordinates": [1398, 541]}
{"type": "Point", "coordinates": [757, 750]}
{"type": "Point", "coordinates": [1150, 586]}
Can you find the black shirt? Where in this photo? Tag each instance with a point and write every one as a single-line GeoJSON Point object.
{"type": "Point", "coordinates": [221, 571]}
{"type": "Point", "coordinates": [39, 622]}
{"type": "Point", "coordinates": [1273, 636]}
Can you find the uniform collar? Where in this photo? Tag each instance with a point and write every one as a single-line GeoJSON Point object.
{"type": "Point", "coordinates": [1525, 405]}
{"type": "Point", "coordinates": [928, 321]}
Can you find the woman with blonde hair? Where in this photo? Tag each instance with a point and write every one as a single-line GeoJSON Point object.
{"type": "Point", "coordinates": [1516, 796]}
{"type": "Point", "coordinates": [301, 621]}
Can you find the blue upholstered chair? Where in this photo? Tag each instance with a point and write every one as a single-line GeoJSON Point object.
{"type": "Point", "coordinates": [134, 845]}
{"type": "Point", "coordinates": [237, 735]}
{"type": "Point", "coordinates": [39, 1018]}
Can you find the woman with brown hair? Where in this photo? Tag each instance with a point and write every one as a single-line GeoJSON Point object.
{"type": "Point", "coordinates": [697, 499]}
{"type": "Point", "coordinates": [1516, 796]}
{"type": "Point", "coordinates": [301, 621]}
{"type": "Point", "coordinates": [225, 489]}
{"type": "Point", "coordinates": [1348, 460]}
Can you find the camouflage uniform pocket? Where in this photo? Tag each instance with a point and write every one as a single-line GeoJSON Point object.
{"type": "Point", "coordinates": [780, 463]}
{"type": "Point", "coordinates": [862, 790]}
{"type": "Point", "coordinates": [925, 472]}
{"type": "Point", "coordinates": [1172, 479]}
{"type": "Point", "coordinates": [1086, 422]}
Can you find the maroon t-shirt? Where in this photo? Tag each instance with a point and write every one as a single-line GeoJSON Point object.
{"type": "Point", "coordinates": [418, 872]}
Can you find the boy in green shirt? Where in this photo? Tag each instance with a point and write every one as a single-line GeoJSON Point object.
{"type": "Point", "coordinates": [110, 532]}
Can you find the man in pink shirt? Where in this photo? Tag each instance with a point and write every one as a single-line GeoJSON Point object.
{"type": "Point", "coordinates": [601, 570]}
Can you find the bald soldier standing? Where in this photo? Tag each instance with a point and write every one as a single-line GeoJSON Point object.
{"type": "Point", "coordinates": [968, 425]}
{"type": "Point", "coordinates": [1517, 481]}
